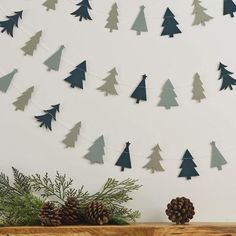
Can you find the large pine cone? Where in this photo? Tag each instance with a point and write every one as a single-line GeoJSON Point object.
{"type": "Point", "coordinates": [49, 214]}
{"type": "Point", "coordinates": [180, 210]}
{"type": "Point", "coordinates": [96, 213]}
{"type": "Point", "coordinates": [70, 211]}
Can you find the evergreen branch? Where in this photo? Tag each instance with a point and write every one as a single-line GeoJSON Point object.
{"type": "Point", "coordinates": [21, 182]}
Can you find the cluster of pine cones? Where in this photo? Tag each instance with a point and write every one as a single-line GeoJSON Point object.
{"type": "Point", "coordinates": [70, 213]}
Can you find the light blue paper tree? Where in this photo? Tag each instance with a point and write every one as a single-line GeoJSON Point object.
{"type": "Point", "coordinates": [53, 62]}
{"type": "Point", "coordinates": [140, 24]}
{"type": "Point", "coordinates": [217, 159]}
{"type": "Point", "coordinates": [5, 81]}
{"type": "Point", "coordinates": [96, 151]}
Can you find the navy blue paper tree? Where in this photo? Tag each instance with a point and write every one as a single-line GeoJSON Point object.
{"type": "Point", "coordinates": [188, 166]}
{"type": "Point", "coordinates": [8, 25]}
{"type": "Point", "coordinates": [124, 159]}
{"type": "Point", "coordinates": [77, 76]}
{"type": "Point", "coordinates": [82, 11]}
{"type": "Point", "coordinates": [140, 92]}
{"type": "Point", "coordinates": [227, 80]}
{"type": "Point", "coordinates": [229, 8]}
{"type": "Point", "coordinates": [170, 24]}
{"type": "Point", "coordinates": [46, 120]}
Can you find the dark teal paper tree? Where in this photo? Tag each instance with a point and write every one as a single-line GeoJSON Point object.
{"type": "Point", "coordinates": [124, 159]}
{"type": "Point", "coordinates": [188, 166]}
{"type": "Point", "coordinates": [229, 8]}
{"type": "Point", "coordinates": [46, 120]}
{"type": "Point", "coordinates": [77, 76]}
{"type": "Point", "coordinates": [140, 92]}
{"type": "Point", "coordinates": [227, 80]}
{"type": "Point", "coordinates": [8, 25]}
{"type": "Point", "coordinates": [82, 11]}
{"type": "Point", "coordinates": [170, 24]}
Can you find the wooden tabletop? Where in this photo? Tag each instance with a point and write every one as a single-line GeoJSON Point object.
{"type": "Point", "coordinates": [159, 229]}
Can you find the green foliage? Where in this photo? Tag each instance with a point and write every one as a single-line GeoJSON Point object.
{"type": "Point", "coordinates": [118, 221]}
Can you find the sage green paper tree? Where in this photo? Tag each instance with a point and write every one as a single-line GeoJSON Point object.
{"type": "Point", "coordinates": [198, 90]}
{"type": "Point", "coordinates": [6, 80]}
{"type": "Point", "coordinates": [32, 44]}
{"type": "Point", "coordinates": [217, 159]}
{"type": "Point", "coordinates": [53, 62]}
{"type": "Point", "coordinates": [112, 20]}
{"type": "Point", "coordinates": [96, 151]}
{"type": "Point", "coordinates": [140, 24]}
{"type": "Point", "coordinates": [50, 4]}
{"type": "Point", "coordinates": [23, 100]}
{"type": "Point", "coordinates": [72, 136]}
{"type": "Point", "coordinates": [110, 81]}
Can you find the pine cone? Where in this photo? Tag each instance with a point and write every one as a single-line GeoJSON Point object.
{"type": "Point", "coordinates": [70, 211]}
{"type": "Point", "coordinates": [96, 213]}
{"type": "Point", "coordinates": [180, 210]}
{"type": "Point", "coordinates": [49, 214]}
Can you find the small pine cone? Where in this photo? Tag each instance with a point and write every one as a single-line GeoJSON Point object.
{"type": "Point", "coordinates": [49, 214]}
{"type": "Point", "coordinates": [70, 211]}
{"type": "Point", "coordinates": [180, 210]}
{"type": "Point", "coordinates": [97, 214]}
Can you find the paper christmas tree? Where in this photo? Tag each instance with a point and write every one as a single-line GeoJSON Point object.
{"type": "Point", "coordinates": [50, 4]}
{"type": "Point", "coordinates": [77, 76]}
{"type": "Point", "coordinates": [229, 8]}
{"type": "Point", "coordinates": [6, 80]}
{"type": "Point", "coordinates": [72, 136]}
{"type": "Point", "coordinates": [170, 24]}
{"type": "Point", "coordinates": [198, 90]}
{"type": "Point", "coordinates": [46, 120]}
{"type": "Point", "coordinates": [96, 151]}
{"type": "Point", "coordinates": [188, 166]}
{"type": "Point", "coordinates": [168, 96]}
{"type": "Point", "coordinates": [217, 159]}
{"type": "Point", "coordinates": [124, 159]}
{"type": "Point", "coordinates": [32, 44]}
{"type": "Point", "coordinates": [200, 15]}
{"type": "Point", "coordinates": [140, 24]}
{"type": "Point", "coordinates": [227, 80]}
{"type": "Point", "coordinates": [110, 81]}
{"type": "Point", "coordinates": [112, 20]}
{"type": "Point", "coordinates": [53, 62]}
{"type": "Point", "coordinates": [82, 11]}
{"type": "Point", "coordinates": [8, 25]}
{"type": "Point", "coordinates": [23, 100]}
{"type": "Point", "coordinates": [140, 92]}
{"type": "Point", "coordinates": [154, 162]}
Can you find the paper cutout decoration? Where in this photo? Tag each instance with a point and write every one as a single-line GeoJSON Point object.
{"type": "Point", "coordinates": [140, 92]}
{"type": "Point", "coordinates": [31, 45]}
{"type": "Point", "coordinates": [112, 20]}
{"type": "Point", "coordinates": [82, 11]}
{"type": "Point", "coordinates": [6, 80]}
{"type": "Point", "coordinates": [198, 90]}
{"type": "Point", "coordinates": [188, 166]}
{"type": "Point", "coordinates": [227, 80]}
{"type": "Point", "coordinates": [200, 15]}
{"type": "Point", "coordinates": [53, 62]}
{"type": "Point", "coordinates": [140, 24]}
{"type": "Point", "coordinates": [217, 160]}
{"type": "Point", "coordinates": [50, 4]}
{"type": "Point", "coordinates": [155, 158]}
{"type": "Point", "coordinates": [96, 151]}
{"type": "Point", "coordinates": [46, 120]}
{"type": "Point", "coordinates": [72, 136]}
{"type": "Point", "coordinates": [23, 100]}
{"type": "Point", "coordinates": [170, 24]}
{"type": "Point", "coordinates": [8, 25]}
{"type": "Point", "coordinates": [229, 8]}
{"type": "Point", "coordinates": [168, 96]}
{"type": "Point", "coordinates": [109, 86]}
{"type": "Point", "coordinates": [77, 76]}
{"type": "Point", "coordinates": [124, 159]}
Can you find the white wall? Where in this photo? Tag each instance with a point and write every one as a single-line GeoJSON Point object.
{"type": "Point", "coordinates": [191, 125]}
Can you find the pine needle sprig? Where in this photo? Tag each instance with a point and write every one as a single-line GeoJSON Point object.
{"type": "Point", "coordinates": [21, 182]}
